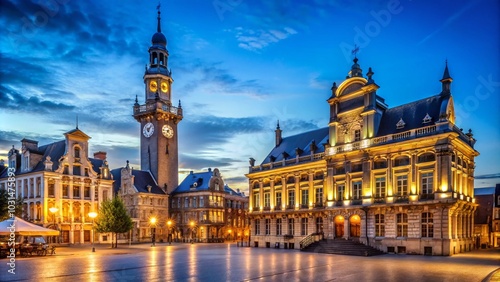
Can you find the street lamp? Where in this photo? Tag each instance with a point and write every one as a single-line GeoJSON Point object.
{"type": "Point", "coordinates": [53, 210]}
{"type": "Point", "coordinates": [191, 223]}
{"type": "Point", "coordinates": [152, 221]}
{"type": "Point", "coordinates": [169, 223]}
{"type": "Point", "coordinates": [93, 216]}
{"type": "Point", "coordinates": [229, 231]}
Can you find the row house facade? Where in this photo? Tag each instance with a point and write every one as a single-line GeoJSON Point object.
{"type": "Point", "coordinates": [398, 179]}
{"type": "Point", "coordinates": [205, 209]}
{"type": "Point", "coordinates": [61, 175]}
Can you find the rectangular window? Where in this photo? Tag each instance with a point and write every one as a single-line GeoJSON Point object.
{"type": "Point", "coordinates": [356, 190]}
{"type": "Point", "coordinates": [278, 227]}
{"type": "Point", "coordinates": [51, 190]}
{"type": "Point", "coordinates": [193, 202]}
{"type": "Point", "coordinates": [278, 199]}
{"type": "Point", "coordinates": [186, 202]}
{"type": "Point", "coordinates": [304, 197]}
{"type": "Point", "coordinates": [319, 225]}
{"type": "Point", "coordinates": [76, 191]}
{"type": "Point", "coordinates": [202, 201]}
{"type": "Point", "coordinates": [105, 195]}
{"type": "Point", "coordinates": [86, 191]}
{"type": "Point", "coordinates": [380, 187]}
{"type": "Point", "coordinates": [357, 135]}
{"type": "Point", "coordinates": [303, 226]}
{"type": "Point", "coordinates": [427, 225]}
{"type": "Point", "coordinates": [257, 227]}
{"type": "Point", "coordinates": [340, 192]}
{"type": "Point", "coordinates": [65, 190]}
{"type": "Point", "coordinates": [402, 185]}
{"type": "Point", "coordinates": [402, 224]}
{"type": "Point", "coordinates": [291, 224]}
{"type": "Point", "coordinates": [291, 198]}
{"type": "Point", "coordinates": [256, 200]}
{"type": "Point", "coordinates": [426, 180]}
{"type": "Point", "coordinates": [76, 170]}
{"type": "Point", "coordinates": [267, 199]}
{"type": "Point", "coordinates": [268, 226]}
{"type": "Point", "coordinates": [319, 195]}
{"type": "Point", "coordinates": [379, 225]}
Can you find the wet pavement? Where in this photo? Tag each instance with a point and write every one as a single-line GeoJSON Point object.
{"type": "Point", "coordinates": [227, 262]}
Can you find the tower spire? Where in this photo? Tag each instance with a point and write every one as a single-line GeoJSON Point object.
{"type": "Point", "coordinates": [446, 80]}
{"type": "Point", "coordinates": [159, 17]}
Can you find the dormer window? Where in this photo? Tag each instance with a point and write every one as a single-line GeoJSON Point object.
{"type": "Point", "coordinates": [427, 118]}
{"type": "Point", "coordinates": [400, 124]}
{"type": "Point", "coordinates": [77, 153]}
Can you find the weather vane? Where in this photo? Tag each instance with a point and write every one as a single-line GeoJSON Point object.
{"type": "Point", "coordinates": [355, 50]}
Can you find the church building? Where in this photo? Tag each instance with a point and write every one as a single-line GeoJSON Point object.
{"type": "Point", "coordinates": [398, 179]}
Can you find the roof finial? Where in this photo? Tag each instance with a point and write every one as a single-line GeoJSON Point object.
{"type": "Point", "coordinates": [278, 125]}
{"type": "Point", "coordinates": [355, 50]}
{"type": "Point", "coordinates": [159, 18]}
{"type": "Point", "coordinates": [76, 121]}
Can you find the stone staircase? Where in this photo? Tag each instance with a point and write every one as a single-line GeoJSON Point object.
{"type": "Point", "coordinates": [341, 246]}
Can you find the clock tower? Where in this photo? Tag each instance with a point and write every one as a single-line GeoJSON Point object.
{"type": "Point", "coordinates": [158, 117]}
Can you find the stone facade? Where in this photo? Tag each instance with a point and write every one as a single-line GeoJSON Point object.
{"type": "Point", "coordinates": [399, 179]}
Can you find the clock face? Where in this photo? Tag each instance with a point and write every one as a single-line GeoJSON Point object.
{"type": "Point", "coordinates": [167, 131]}
{"type": "Point", "coordinates": [164, 87]}
{"type": "Point", "coordinates": [153, 86]}
{"type": "Point", "coordinates": [148, 130]}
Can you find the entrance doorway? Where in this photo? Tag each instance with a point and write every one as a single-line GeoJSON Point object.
{"type": "Point", "coordinates": [339, 226]}
{"type": "Point", "coordinates": [355, 226]}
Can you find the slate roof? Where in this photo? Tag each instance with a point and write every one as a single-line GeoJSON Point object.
{"type": "Point", "coordinates": [202, 180]}
{"type": "Point", "coordinates": [142, 179]}
{"type": "Point", "coordinates": [412, 114]}
{"type": "Point", "coordinates": [55, 150]}
{"type": "Point", "coordinates": [302, 141]}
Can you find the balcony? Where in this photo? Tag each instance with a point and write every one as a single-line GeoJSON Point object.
{"type": "Point", "coordinates": [158, 106]}
{"type": "Point", "coordinates": [268, 208]}
{"type": "Point", "coordinates": [290, 207]}
{"type": "Point", "coordinates": [426, 197]}
{"type": "Point", "coordinates": [401, 199]}
{"type": "Point", "coordinates": [356, 202]}
{"type": "Point", "coordinates": [380, 200]}
{"type": "Point", "coordinates": [338, 203]}
{"type": "Point", "coordinates": [304, 206]}
{"type": "Point", "coordinates": [287, 162]}
{"type": "Point", "coordinates": [319, 205]}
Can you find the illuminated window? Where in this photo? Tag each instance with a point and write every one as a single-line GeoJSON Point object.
{"type": "Point", "coordinates": [340, 192]}
{"type": "Point", "coordinates": [256, 200]}
{"type": "Point", "coordinates": [278, 226]}
{"type": "Point", "coordinates": [304, 197]}
{"type": "Point", "coordinates": [303, 226]}
{"type": "Point", "coordinates": [319, 195]}
{"type": "Point", "coordinates": [76, 191]}
{"type": "Point", "coordinates": [402, 185]}
{"type": "Point", "coordinates": [402, 224]}
{"type": "Point", "coordinates": [379, 225]}
{"type": "Point", "coordinates": [427, 225]}
{"type": "Point", "coordinates": [291, 198]}
{"type": "Point", "coordinates": [356, 190]}
{"type": "Point", "coordinates": [65, 190]}
{"type": "Point", "coordinates": [267, 199]}
{"type": "Point", "coordinates": [426, 180]}
{"type": "Point", "coordinates": [380, 187]}
{"type": "Point", "coordinates": [278, 199]}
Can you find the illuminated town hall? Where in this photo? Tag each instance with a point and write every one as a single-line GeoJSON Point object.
{"type": "Point", "coordinates": [398, 179]}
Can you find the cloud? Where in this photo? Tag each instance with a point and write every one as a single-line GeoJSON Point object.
{"type": "Point", "coordinates": [254, 40]}
{"type": "Point", "coordinates": [211, 74]}
{"type": "Point", "coordinates": [15, 101]}
{"type": "Point", "coordinates": [193, 162]}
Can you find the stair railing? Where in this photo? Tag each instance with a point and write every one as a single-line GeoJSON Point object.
{"type": "Point", "coordinates": [308, 240]}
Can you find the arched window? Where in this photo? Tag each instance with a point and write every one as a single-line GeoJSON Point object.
{"type": "Point", "coordinates": [426, 157]}
{"type": "Point", "coordinates": [380, 163]}
{"type": "Point", "coordinates": [402, 160]}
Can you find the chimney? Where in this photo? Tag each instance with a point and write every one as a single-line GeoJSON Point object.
{"type": "Point", "coordinates": [100, 155]}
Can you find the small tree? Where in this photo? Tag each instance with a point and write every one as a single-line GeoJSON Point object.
{"type": "Point", "coordinates": [113, 218]}
{"type": "Point", "coordinates": [5, 213]}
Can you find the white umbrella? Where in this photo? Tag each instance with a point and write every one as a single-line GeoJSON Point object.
{"type": "Point", "coordinates": [21, 227]}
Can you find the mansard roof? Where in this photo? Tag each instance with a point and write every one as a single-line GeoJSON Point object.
{"type": "Point", "coordinates": [142, 178]}
{"type": "Point", "coordinates": [55, 151]}
{"type": "Point", "coordinates": [412, 114]}
{"type": "Point", "coordinates": [202, 180]}
{"type": "Point", "coordinates": [303, 141]}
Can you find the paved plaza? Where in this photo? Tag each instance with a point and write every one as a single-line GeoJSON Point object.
{"type": "Point", "coordinates": [227, 262]}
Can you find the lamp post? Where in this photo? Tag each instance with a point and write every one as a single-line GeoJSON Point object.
{"type": "Point", "coordinates": [152, 221]}
{"type": "Point", "coordinates": [93, 216]}
{"type": "Point", "coordinates": [229, 231]}
{"type": "Point", "coordinates": [53, 210]}
{"type": "Point", "coordinates": [169, 223]}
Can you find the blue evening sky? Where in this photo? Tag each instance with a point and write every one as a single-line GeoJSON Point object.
{"type": "Point", "coordinates": [238, 67]}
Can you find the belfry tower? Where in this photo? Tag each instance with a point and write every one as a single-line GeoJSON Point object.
{"type": "Point", "coordinates": [157, 116]}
